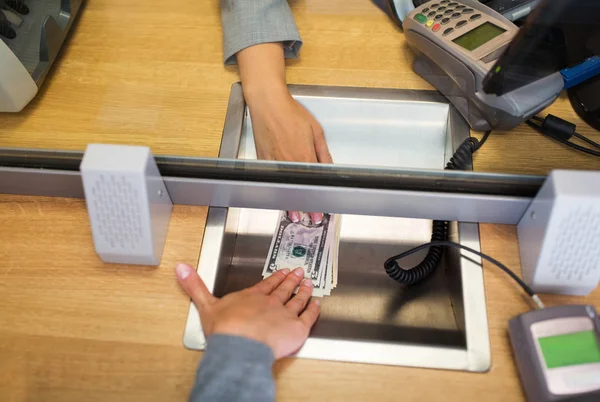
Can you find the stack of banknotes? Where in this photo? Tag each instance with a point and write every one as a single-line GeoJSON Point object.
{"type": "Point", "coordinates": [313, 247]}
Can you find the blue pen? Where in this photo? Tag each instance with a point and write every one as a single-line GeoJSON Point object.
{"type": "Point", "coordinates": [582, 72]}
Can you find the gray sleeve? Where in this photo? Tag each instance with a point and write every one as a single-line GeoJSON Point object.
{"type": "Point", "coordinates": [250, 22]}
{"type": "Point", "coordinates": [234, 369]}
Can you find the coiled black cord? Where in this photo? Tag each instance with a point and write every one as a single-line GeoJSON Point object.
{"type": "Point", "coordinates": [503, 267]}
{"type": "Point", "coordinates": [411, 276]}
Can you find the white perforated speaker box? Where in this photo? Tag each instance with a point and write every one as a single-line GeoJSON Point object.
{"type": "Point", "coordinates": [559, 235]}
{"type": "Point", "coordinates": [128, 203]}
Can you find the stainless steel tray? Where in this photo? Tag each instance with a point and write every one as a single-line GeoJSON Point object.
{"type": "Point", "coordinates": [368, 318]}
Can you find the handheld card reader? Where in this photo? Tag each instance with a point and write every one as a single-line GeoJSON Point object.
{"type": "Point", "coordinates": [457, 44]}
{"type": "Point", "coordinates": [557, 350]}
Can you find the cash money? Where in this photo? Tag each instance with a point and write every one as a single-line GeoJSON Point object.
{"type": "Point", "coordinates": [311, 247]}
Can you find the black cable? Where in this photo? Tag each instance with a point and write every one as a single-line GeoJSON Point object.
{"type": "Point", "coordinates": [537, 118]}
{"type": "Point", "coordinates": [586, 139]}
{"type": "Point", "coordinates": [541, 130]}
{"type": "Point", "coordinates": [551, 126]}
{"type": "Point", "coordinates": [418, 273]}
{"type": "Point", "coordinates": [483, 140]}
{"type": "Point", "coordinates": [580, 148]}
{"type": "Point", "coordinates": [562, 131]}
{"type": "Point", "coordinates": [391, 264]}
{"type": "Point", "coordinates": [461, 160]}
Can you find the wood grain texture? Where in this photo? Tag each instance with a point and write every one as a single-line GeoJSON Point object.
{"type": "Point", "coordinates": [140, 72]}
{"type": "Point", "coordinates": [72, 328]}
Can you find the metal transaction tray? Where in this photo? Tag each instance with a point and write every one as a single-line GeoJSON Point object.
{"type": "Point", "coordinates": [368, 318]}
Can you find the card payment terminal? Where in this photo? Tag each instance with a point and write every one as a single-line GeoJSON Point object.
{"type": "Point", "coordinates": [557, 350]}
{"type": "Point", "coordinates": [457, 44]}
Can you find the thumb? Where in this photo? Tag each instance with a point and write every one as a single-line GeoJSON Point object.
{"type": "Point", "coordinates": [194, 286]}
{"type": "Point", "coordinates": [321, 149]}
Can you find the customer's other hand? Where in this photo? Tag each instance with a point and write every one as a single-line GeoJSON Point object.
{"type": "Point", "coordinates": [265, 312]}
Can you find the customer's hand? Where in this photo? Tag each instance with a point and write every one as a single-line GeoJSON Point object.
{"type": "Point", "coordinates": [266, 312]}
{"type": "Point", "coordinates": [283, 129]}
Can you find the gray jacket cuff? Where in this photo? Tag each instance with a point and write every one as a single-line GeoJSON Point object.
{"type": "Point", "coordinates": [234, 369]}
{"type": "Point", "coordinates": [247, 23]}
{"type": "Point", "coordinates": [238, 348]}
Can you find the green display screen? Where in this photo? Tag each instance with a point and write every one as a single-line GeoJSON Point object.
{"type": "Point", "coordinates": [479, 36]}
{"type": "Point", "coordinates": [570, 349]}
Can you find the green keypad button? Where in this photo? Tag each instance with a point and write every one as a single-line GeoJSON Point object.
{"type": "Point", "coordinates": [421, 18]}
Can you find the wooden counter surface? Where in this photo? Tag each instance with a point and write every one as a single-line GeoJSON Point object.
{"type": "Point", "coordinates": [150, 73]}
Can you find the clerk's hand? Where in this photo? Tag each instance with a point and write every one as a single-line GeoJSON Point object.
{"type": "Point", "coordinates": [283, 129]}
{"type": "Point", "coordinates": [265, 312]}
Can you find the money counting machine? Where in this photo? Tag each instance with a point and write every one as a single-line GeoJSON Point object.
{"type": "Point", "coordinates": [32, 33]}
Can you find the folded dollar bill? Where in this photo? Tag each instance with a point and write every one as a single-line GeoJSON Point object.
{"type": "Point", "coordinates": [313, 247]}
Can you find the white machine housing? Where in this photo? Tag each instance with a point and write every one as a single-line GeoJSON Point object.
{"type": "Point", "coordinates": [559, 235]}
{"type": "Point", "coordinates": [128, 204]}
{"type": "Point", "coordinates": [17, 87]}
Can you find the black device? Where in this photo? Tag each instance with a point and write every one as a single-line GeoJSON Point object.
{"type": "Point", "coordinates": [583, 42]}
{"type": "Point", "coordinates": [558, 34]}
{"type": "Point", "coordinates": [585, 100]}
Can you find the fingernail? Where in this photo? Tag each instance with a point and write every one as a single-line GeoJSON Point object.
{"type": "Point", "coordinates": [317, 218]}
{"type": "Point", "coordinates": [299, 272]}
{"type": "Point", "coordinates": [318, 302]}
{"type": "Point", "coordinates": [285, 271]}
{"type": "Point", "coordinates": [183, 270]}
{"type": "Point", "coordinates": [294, 216]}
{"type": "Point", "coordinates": [307, 283]}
